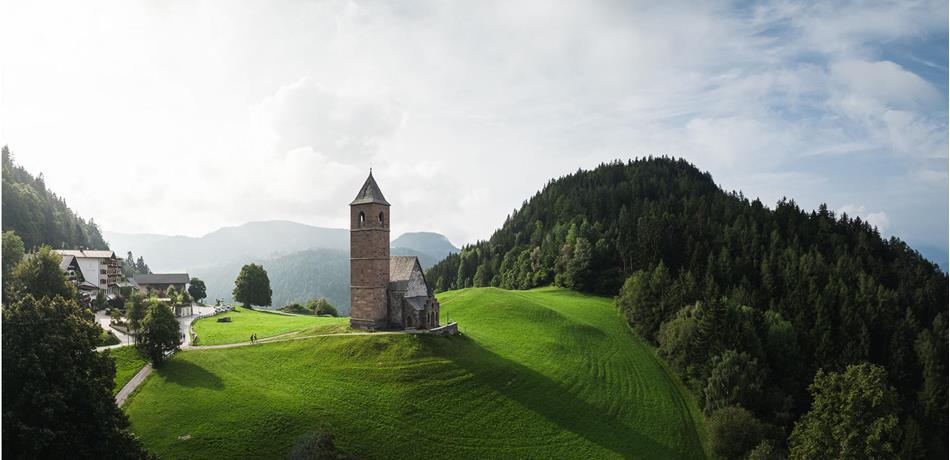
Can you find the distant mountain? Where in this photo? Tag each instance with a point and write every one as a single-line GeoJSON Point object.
{"type": "Point", "coordinates": [302, 261]}
{"type": "Point", "coordinates": [934, 254]}
{"type": "Point", "coordinates": [295, 277]}
{"type": "Point", "coordinates": [426, 260]}
{"type": "Point", "coordinates": [250, 241]}
{"type": "Point", "coordinates": [434, 246]}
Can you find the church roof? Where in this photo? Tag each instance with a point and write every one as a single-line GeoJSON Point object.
{"type": "Point", "coordinates": [370, 193]}
{"type": "Point", "coordinates": [400, 268]}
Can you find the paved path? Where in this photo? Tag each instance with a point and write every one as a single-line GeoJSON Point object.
{"type": "Point", "coordinates": [104, 322]}
{"type": "Point", "coordinates": [124, 393]}
{"type": "Point", "coordinates": [284, 338]}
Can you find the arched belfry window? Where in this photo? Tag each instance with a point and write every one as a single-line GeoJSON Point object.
{"type": "Point", "coordinates": [362, 219]}
{"type": "Point", "coordinates": [381, 221]}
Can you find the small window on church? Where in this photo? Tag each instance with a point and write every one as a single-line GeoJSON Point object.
{"type": "Point", "coordinates": [380, 219]}
{"type": "Point", "coordinates": [362, 219]}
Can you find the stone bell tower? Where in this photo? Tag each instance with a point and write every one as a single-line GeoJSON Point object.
{"type": "Point", "coordinates": [369, 258]}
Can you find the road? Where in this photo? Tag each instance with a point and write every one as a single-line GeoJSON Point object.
{"type": "Point", "coordinates": [184, 324]}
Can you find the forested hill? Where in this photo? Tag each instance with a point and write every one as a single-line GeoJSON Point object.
{"type": "Point", "coordinates": [38, 216]}
{"type": "Point", "coordinates": [724, 285]}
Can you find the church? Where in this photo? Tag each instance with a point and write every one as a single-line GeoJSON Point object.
{"type": "Point", "coordinates": [385, 292]}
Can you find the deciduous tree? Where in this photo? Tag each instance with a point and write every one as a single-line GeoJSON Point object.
{"type": "Point", "coordinates": [252, 287]}
{"type": "Point", "coordinates": [160, 333]}
{"type": "Point", "coordinates": [197, 289]}
{"type": "Point", "coordinates": [57, 390]}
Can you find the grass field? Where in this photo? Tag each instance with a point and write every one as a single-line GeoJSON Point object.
{"type": "Point", "coordinates": [128, 361]}
{"type": "Point", "coordinates": [543, 373]}
{"type": "Point", "coordinates": [245, 322]}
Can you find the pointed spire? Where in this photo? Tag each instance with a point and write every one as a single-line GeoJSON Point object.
{"type": "Point", "coordinates": [370, 192]}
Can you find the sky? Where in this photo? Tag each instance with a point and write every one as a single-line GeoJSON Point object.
{"type": "Point", "coordinates": [179, 117]}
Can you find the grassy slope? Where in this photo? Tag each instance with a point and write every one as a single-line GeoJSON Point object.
{"type": "Point", "coordinates": [544, 373]}
{"type": "Point", "coordinates": [265, 324]}
{"type": "Point", "coordinates": [128, 362]}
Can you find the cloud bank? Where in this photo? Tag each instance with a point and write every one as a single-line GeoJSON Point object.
{"type": "Point", "coordinates": [220, 112]}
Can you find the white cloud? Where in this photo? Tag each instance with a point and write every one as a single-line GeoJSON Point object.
{"type": "Point", "coordinates": [877, 219]}
{"type": "Point", "coordinates": [221, 113]}
{"type": "Point", "coordinates": [348, 127]}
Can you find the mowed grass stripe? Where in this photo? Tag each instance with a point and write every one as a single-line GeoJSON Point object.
{"type": "Point", "coordinates": [543, 373]}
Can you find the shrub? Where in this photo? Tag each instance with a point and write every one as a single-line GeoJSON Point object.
{"type": "Point", "coordinates": [734, 431]}
{"type": "Point", "coordinates": [322, 307]}
{"type": "Point", "coordinates": [297, 309]}
{"type": "Point", "coordinates": [315, 445]}
{"type": "Point", "coordinates": [108, 338]}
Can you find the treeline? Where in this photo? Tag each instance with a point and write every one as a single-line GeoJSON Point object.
{"type": "Point", "coordinates": [38, 216]}
{"type": "Point", "coordinates": [295, 278]}
{"type": "Point", "coordinates": [746, 303]}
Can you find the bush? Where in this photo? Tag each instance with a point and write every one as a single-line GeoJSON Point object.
{"type": "Point", "coordinates": [108, 338]}
{"type": "Point", "coordinates": [297, 309]}
{"type": "Point", "coordinates": [315, 445]}
{"type": "Point", "coordinates": [322, 307]}
{"type": "Point", "coordinates": [734, 431]}
{"type": "Point", "coordinates": [224, 319]}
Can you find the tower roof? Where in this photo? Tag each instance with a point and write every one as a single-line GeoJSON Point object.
{"type": "Point", "coordinates": [370, 193]}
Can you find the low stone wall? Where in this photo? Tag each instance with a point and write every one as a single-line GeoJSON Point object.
{"type": "Point", "coordinates": [448, 329]}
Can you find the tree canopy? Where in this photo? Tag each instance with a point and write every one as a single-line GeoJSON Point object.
{"type": "Point", "coordinates": [160, 333]}
{"type": "Point", "coordinates": [39, 216]}
{"type": "Point", "coordinates": [39, 274]}
{"type": "Point", "coordinates": [252, 287]}
{"type": "Point", "coordinates": [197, 289]}
{"type": "Point", "coordinates": [700, 271]}
{"type": "Point", "coordinates": [57, 390]}
{"type": "Point", "coordinates": [853, 415]}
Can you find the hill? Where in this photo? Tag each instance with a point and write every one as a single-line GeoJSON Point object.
{"type": "Point", "coordinates": [303, 262]}
{"type": "Point", "coordinates": [434, 245]}
{"type": "Point", "coordinates": [296, 277]}
{"type": "Point", "coordinates": [544, 373]}
{"type": "Point", "coordinates": [38, 216]}
{"type": "Point", "coordinates": [718, 281]}
{"type": "Point", "coordinates": [250, 241]}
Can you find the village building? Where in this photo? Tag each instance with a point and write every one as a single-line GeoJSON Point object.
{"type": "Point", "coordinates": [385, 292]}
{"type": "Point", "coordinates": [158, 283]}
{"type": "Point", "coordinates": [89, 268]}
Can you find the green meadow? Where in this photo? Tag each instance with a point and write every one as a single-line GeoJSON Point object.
{"type": "Point", "coordinates": [128, 362]}
{"type": "Point", "coordinates": [543, 373]}
{"type": "Point", "coordinates": [245, 322]}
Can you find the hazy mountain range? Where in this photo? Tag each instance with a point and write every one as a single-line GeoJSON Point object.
{"type": "Point", "coordinates": [302, 261]}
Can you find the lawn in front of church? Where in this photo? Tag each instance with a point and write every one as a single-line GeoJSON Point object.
{"type": "Point", "coordinates": [245, 322]}
{"type": "Point", "coordinates": [542, 373]}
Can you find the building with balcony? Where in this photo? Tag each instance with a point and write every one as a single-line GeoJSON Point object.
{"type": "Point", "coordinates": [100, 268]}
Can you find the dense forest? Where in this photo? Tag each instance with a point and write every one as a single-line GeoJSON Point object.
{"type": "Point", "coordinates": [757, 309]}
{"type": "Point", "coordinates": [38, 216]}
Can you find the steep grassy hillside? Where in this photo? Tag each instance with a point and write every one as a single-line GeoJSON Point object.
{"type": "Point", "coordinates": [245, 322]}
{"type": "Point", "coordinates": [543, 373]}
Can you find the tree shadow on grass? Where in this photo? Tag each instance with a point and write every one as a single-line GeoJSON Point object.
{"type": "Point", "coordinates": [556, 402]}
{"type": "Point", "coordinates": [188, 374]}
